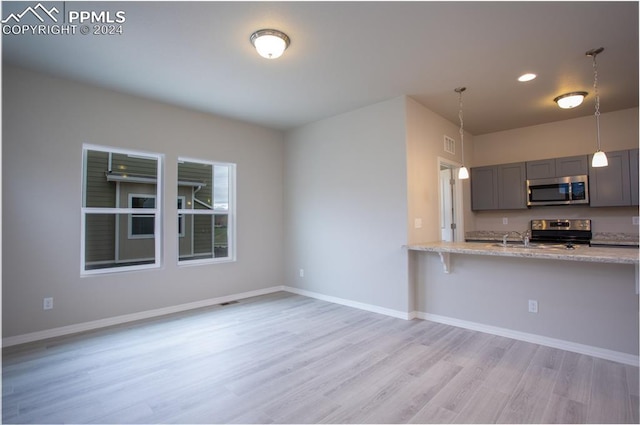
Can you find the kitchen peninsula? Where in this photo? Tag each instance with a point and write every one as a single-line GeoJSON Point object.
{"type": "Point", "coordinates": [587, 296]}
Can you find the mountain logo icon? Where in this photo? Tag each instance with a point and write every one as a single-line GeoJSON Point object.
{"type": "Point", "coordinates": [38, 11]}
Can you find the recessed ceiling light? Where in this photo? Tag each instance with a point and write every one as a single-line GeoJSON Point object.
{"type": "Point", "coordinates": [526, 77]}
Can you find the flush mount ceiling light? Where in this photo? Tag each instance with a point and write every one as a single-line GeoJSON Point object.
{"type": "Point", "coordinates": [599, 158]}
{"type": "Point", "coordinates": [463, 173]}
{"type": "Point", "coordinates": [269, 43]}
{"type": "Point", "coordinates": [570, 100]}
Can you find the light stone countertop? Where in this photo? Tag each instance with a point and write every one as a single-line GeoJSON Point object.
{"type": "Point", "coordinates": [582, 253]}
{"type": "Point", "coordinates": [621, 239]}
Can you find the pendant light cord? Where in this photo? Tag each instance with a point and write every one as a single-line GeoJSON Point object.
{"type": "Point", "coordinates": [460, 90]}
{"type": "Point", "coordinates": [595, 90]}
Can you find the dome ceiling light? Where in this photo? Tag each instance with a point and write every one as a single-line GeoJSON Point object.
{"type": "Point", "coordinates": [570, 100]}
{"type": "Point", "coordinates": [270, 43]}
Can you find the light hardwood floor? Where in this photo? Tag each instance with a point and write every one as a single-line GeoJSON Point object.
{"type": "Point", "coordinates": [285, 358]}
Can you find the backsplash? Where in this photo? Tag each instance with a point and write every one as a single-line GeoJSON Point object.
{"type": "Point", "coordinates": [603, 220]}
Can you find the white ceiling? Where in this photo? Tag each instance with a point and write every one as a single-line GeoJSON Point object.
{"type": "Point", "coordinates": [345, 55]}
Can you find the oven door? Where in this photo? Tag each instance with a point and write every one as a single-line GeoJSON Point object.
{"type": "Point", "coordinates": [558, 191]}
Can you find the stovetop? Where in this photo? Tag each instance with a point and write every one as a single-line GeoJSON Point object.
{"type": "Point", "coordinates": [561, 231]}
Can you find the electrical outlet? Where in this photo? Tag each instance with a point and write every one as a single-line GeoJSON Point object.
{"type": "Point", "coordinates": [417, 223]}
{"type": "Point", "coordinates": [301, 272]}
{"type": "Point", "coordinates": [635, 220]}
{"type": "Point", "coordinates": [47, 304]}
{"type": "Point", "coordinates": [533, 306]}
{"type": "Point", "coordinates": [505, 220]}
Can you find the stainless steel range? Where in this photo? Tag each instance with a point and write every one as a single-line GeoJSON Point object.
{"type": "Point", "coordinates": [561, 231]}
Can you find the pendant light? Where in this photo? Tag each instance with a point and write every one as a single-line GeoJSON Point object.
{"type": "Point", "coordinates": [599, 158]}
{"type": "Point", "coordinates": [463, 173]}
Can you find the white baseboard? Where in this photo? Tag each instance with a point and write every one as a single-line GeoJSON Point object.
{"type": "Point", "coordinates": [349, 303]}
{"type": "Point", "coordinates": [103, 323]}
{"type": "Point", "coordinates": [602, 353]}
{"type": "Point", "coordinates": [589, 350]}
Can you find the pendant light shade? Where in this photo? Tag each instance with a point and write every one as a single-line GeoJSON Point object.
{"type": "Point", "coordinates": [270, 44]}
{"type": "Point", "coordinates": [463, 173]}
{"type": "Point", "coordinates": [599, 158]}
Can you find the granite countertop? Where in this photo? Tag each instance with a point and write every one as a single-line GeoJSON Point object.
{"type": "Point", "coordinates": [618, 239]}
{"type": "Point", "coordinates": [491, 236]}
{"type": "Point", "coordinates": [602, 238]}
{"type": "Point", "coordinates": [582, 253]}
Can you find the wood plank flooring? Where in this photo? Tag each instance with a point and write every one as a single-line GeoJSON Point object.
{"type": "Point", "coordinates": [284, 358]}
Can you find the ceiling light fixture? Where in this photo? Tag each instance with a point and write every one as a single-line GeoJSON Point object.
{"type": "Point", "coordinates": [269, 43]}
{"type": "Point", "coordinates": [463, 173]}
{"type": "Point", "coordinates": [599, 158]}
{"type": "Point", "coordinates": [527, 77]}
{"type": "Point", "coordinates": [570, 100]}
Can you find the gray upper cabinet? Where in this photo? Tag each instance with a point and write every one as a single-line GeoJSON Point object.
{"type": "Point", "coordinates": [484, 188]}
{"type": "Point", "coordinates": [512, 186]}
{"type": "Point", "coordinates": [558, 167]}
{"type": "Point", "coordinates": [572, 166]}
{"type": "Point", "coordinates": [610, 186]}
{"type": "Point", "coordinates": [498, 187]}
{"type": "Point", "coordinates": [542, 169]}
{"type": "Point", "coordinates": [633, 174]}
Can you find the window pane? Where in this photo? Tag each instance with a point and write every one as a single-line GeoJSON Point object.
{"type": "Point", "coordinates": [201, 246]}
{"type": "Point", "coordinates": [107, 244]}
{"type": "Point", "coordinates": [195, 184]}
{"type": "Point", "coordinates": [98, 191]}
{"type": "Point", "coordinates": [106, 171]}
{"type": "Point", "coordinates": [221, 236]}
{"type": "Point", "coordinates": [221, 188]}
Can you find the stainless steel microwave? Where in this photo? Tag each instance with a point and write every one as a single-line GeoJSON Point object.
{"type": "Point", "coordinates": [558, 191]}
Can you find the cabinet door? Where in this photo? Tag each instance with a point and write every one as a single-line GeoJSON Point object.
{"type": "Point", "coordinates": [610, 186]}
{"type": "Point", "coordinates": [512, 186]}
{"type": "Point", "coordinates": [572, 166]}
{"type": "Point", "coordinates": [633, 174]}
{"type": "Point", "coordinates": [543, 169]}
{"type": "Point", "coordinates": [484, 188]}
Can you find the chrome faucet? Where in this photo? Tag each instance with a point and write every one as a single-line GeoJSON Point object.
{"type": "Point", "coordinates": [524, 236]}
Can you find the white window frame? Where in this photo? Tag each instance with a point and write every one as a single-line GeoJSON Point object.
{"type": "Point", "coordinates": [157, 211]}
{"type": "Point", "coordinates": [230, 213]}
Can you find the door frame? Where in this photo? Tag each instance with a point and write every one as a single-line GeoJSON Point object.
{"type": "Point", "coordinates": [458, 198]}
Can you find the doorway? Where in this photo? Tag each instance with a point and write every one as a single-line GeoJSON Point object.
{"type": "Point", "coordinates": [450, 208]}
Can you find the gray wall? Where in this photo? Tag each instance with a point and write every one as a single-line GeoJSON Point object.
{"type": "Point", "coordinates": [587, 303]}
{"type": "Point", "coordinates": [45, 122]}
{"type": "Point", "coordinates": [346, 206]}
